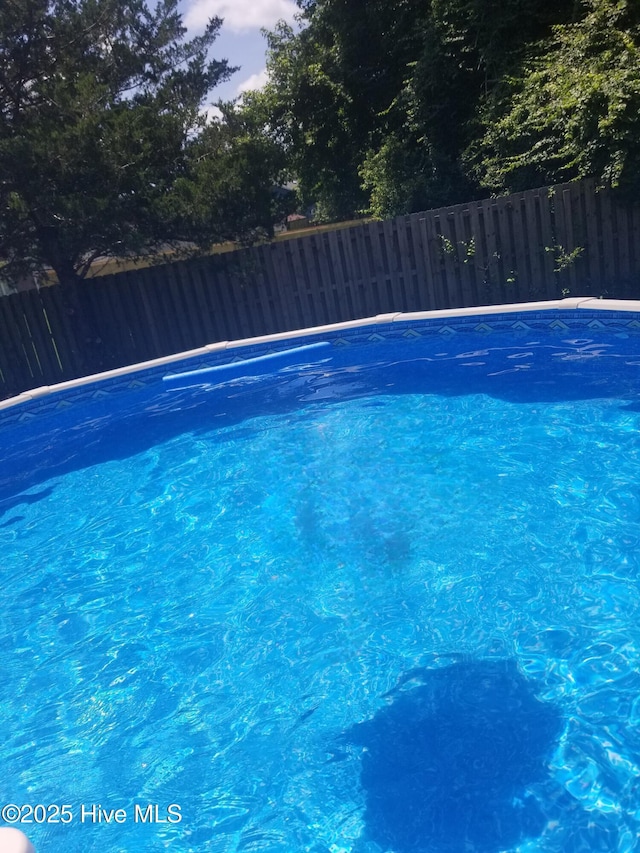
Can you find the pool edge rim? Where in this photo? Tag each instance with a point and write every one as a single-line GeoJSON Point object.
{"type": "Point", "coordinates": [568, 303]}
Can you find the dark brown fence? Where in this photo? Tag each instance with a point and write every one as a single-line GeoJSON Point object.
{"type": "Point", "coordinates": [539, 244]}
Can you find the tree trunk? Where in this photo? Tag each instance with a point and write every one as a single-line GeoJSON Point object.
{"type": "Point", "coordinates": [89, 352]}
{"type": "Point", "coordinates": [87, 344]}
{"type": "Point", "coordinates": [65, 271]}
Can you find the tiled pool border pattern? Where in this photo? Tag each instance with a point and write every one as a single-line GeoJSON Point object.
{"type": "Point", "coordinates": [573, 314]}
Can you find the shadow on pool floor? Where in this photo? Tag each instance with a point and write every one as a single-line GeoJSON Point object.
{"type": "Point", "coordinates": [447, 763]}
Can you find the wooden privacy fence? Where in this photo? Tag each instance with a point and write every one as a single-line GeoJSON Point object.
{"type": "Point", "coordinates": [539, 244]}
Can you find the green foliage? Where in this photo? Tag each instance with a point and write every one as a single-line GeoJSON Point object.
{"type": "Point", "coordinates": [98, 99]}
{"type": "Point", "coordinates": [573, 110]}
{"type": "Point", "coordinates": [230, 187]}
{"type": "Point", "coordinates": [397, 178]}
{"type": "Point", "coordinates": [563, 258]}
{"type": "Point", "coordinates": [375, 101]}
{"type": "Point", "coordinates": [306, 109]}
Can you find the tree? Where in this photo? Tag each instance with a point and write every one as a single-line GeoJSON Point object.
{"type": "Point", "coordinates": [573, 111]}
{"type": "Point", "coordinates": [231, 188]}
{"type": "Point", "coordinates": [464, 51]}
{"type": "Point", "coordinates": [376, 101]}
{"type": "Point", "coordinates": [98, 102]}
{"type": "Point", "coordinates": [306, 110]}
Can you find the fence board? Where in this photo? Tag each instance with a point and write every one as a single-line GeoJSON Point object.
{"type": "Point", "coordinates": [134, 298]}
{"type": "Point", "coordinates": [124, 318]}
{"type": "Point", "coordinates": [465, 259]}
{"type": "Point", "coordinates": [263, 300]}
{"type": "Point", "coordinates": [395, 291]}
{"type": "Point", "coordinates": [450, 286]}
{"type": "Point", "coordinates": [118, 346]}
{"type": "Point", "coordinates": [186, 289]}
{"type": "Point", "coordinates": [635, 244]}
{"type": "Point", "coordinates": [226, 291]}
{"type": "Point", "coordinates": [622, 230]}
{"type": "Point", "coordinates": [369, 267]}
{"type": "Point", "coordinates": [148, 299]}
{"type": "Point", "coordinates": [270, 298]}
{"type": "Point", "coordinates": [40, 339]}
{"type": "Point", "coordinates": [566, 239]}
{"type": "Point", "coordinates": [148, 334]}
{"type": "Point", "coordinates": [364, 281]}
{"type": "Point", "coordinates": [479, 257]}
{"type": "Point", "coordinates": [244, 297]}
{"type": "Point", "coordinates": [302, 275]}
{"type": "Point", "coordinates": [545, 201]}
{"type": "Point", "coordinates": [300, 284]}
{"type": "Point", "coordinates": [606, 227]}
{"type": "Point", "coordinates": [419, 276]}
{"type": "Point", "coordinates": [579, 228]}
{"type": "Point", "coordinates": [401, 294]}
{"type": "Point", "coordinates": [561, 240]}
{"type": "Point", "coordinates": [286, 272]}
{"type": "Point", "coordinates": [176, 310]}
{"type": "Point", "coordinates": [186, 282]}
{"type": "Point", "coordinates": [592, 255]}
{"type": "Point", "coordinates": [8, 369]}
{"type": "Point", "coordinates": [55, 316]}
{"type": "Point", "coordinates": [325, 283]}
{"type": "Point", "coordinates": [407, 263]}
{"type": "Point", "coordinates": [294, 285]}
{"type": "Point", "coordinates": [389, 283]}
{"type": "Point", "coordinates": [113, 328]}
{"type": "Point", "coordinates": [446, 270]}
{"type": "Point", "coordinates": [17, 373]}
{"type": "Point", "coordinates": [392, 284]}
{"type": "Point", "coordinates": [508, 279]}
{"type": "Point", "coordinates": [279, 276]}
{"type": "Point", "coordinates": [468, 269]}
{"type": "Point", "coordinates": [325, 286]}
{"type": "Point", "coordinates": [491, 267]}
{"type": "Point", "coordinates": [372, 264]}
{"type": "Point", "coordinates": [534, 240]}
{"type": "Point", "coordinates": [165, 311]}
{"type": "Point", "coordinates": [336, 257]}
{"type": "Point", "coordinates": [20, 338]}
{"type": "Point", "coordinates": [266, 298]}
{"type": "Point", "coordinates": [523, 285]}
{"type": "Point", "coordinates": [433, 245]}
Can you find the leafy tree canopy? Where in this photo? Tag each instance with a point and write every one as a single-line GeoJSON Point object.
{"type": "Point", "coordinates": [307, 110]}
{"type": "Point", "coordinates": [230, 188]}
{"type": "Point", "coordinates": [573, 110]}
{"type": "Point", "coordinates": [99, 100]}
{"type": "Point", "coordinates": [376, 101]}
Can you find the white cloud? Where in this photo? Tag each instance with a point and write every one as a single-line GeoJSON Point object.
{"type": "Point", "coordinates": [211, 113]}
{"type": "Point", "coordinates": [240, 15]}
{"type": "Point", "coordinates": [256, 81]}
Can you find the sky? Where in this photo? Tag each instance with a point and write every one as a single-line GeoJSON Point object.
{"type": "Point", "coordinates": [240, 40]}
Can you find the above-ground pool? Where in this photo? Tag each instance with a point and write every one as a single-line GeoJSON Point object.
{"type": "Point", "coordinates": [373, 589]}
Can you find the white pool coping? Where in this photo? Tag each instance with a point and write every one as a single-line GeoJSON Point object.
{"type": "Point", "coordinates": [568, 304]}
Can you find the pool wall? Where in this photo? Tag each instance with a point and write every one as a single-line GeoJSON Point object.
{"type": "Point", "coordinates": [575, 313]}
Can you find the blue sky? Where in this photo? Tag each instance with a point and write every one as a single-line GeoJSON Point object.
{"type": "Point", "coordinates": [240, 40]}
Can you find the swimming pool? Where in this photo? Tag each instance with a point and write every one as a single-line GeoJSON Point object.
{"type": "Point", "coordinates": [376, 594]}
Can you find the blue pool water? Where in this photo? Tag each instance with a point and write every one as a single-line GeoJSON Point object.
{"type": "Point", "coordinates": [386, 601]}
